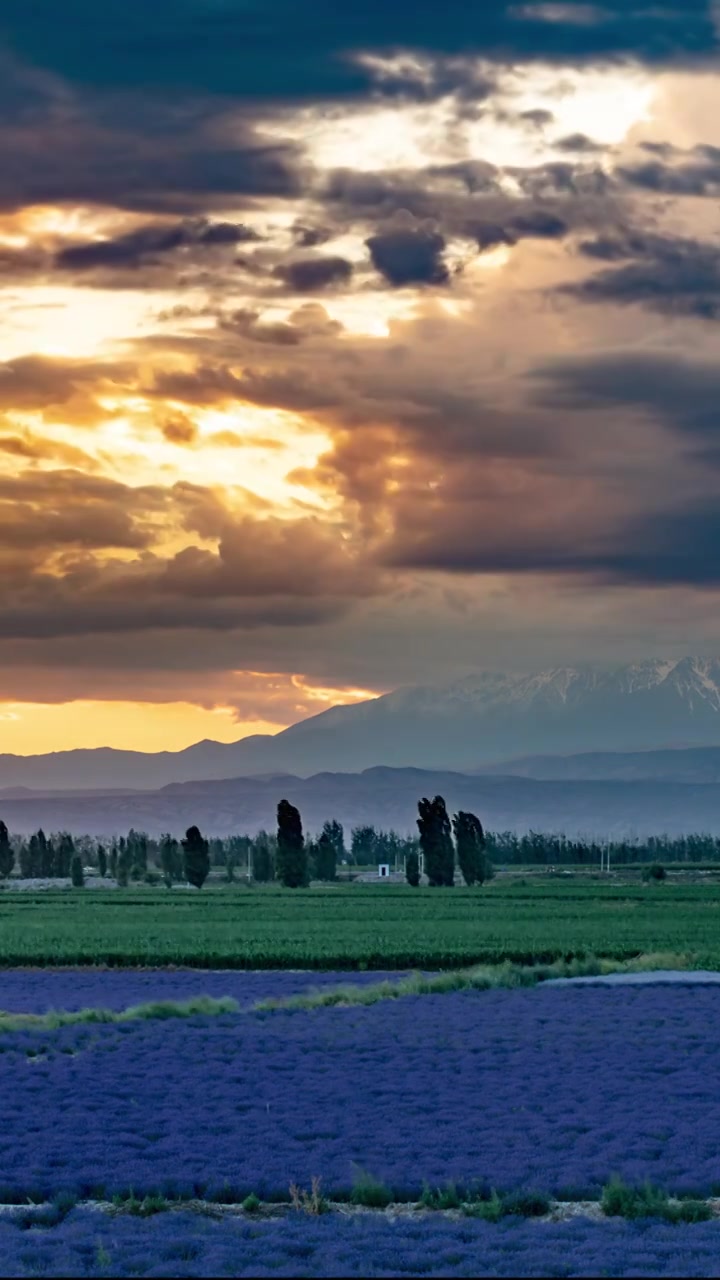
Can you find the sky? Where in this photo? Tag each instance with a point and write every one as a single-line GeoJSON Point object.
{"type": "Point", "coordinates": [349, 346]}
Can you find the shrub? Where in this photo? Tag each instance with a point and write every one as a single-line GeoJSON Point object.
{"type": "Point", "coordinates": [526, 1204]}
{"type": "Point", "coordinates": [621, 1201]}
{"type": "Point", "coordinates": [369, 1191]}
{"type": "Point", "coordinates": [655, 872]}
{"type": "Point", "coordinates": [490, 1210]}
{"type": "Point", "coordinates": [447, 1198]}
{"type": "Point", "coordinates": [251, 1203]}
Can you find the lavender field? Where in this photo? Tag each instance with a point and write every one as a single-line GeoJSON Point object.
{"type": "Point", "coordinates": [182, 1244]}
{"type": "Point", "coordinates": [550, 1089]}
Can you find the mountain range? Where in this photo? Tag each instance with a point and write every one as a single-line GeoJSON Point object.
{"type": "Point", "coordinates": [470, 724]}
{"type": "Point", "coordinates": [385, 797]}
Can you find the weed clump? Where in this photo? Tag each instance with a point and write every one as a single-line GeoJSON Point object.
{"type": "Point", "coordinates": [369, 1191]}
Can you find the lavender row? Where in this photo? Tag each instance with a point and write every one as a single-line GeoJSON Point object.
{"type": "Point", "coordinates": [182, 1244]}
{"type": "Point", "coordinates": [552, 1090]}
{"type": "Point", "coordinates": [37, 990]}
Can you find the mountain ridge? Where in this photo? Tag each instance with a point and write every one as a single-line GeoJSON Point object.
{"type": "Point", "coordinates": [473, 721]}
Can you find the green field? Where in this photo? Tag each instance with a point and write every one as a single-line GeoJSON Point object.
{"type": "Point", "coordinates": [351, 927]}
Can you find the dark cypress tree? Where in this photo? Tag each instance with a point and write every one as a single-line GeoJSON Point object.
{"type": "Point", "coordinates": [76, 871]}
{"type": "Point", "coordinates": [436, 842]}
{"type": "Point", "coordinates": [102, 860]}
{"type": "Point", "coordinates": [44, 855]}
{"type": "Point", "coordinates": [470, 840]}
{"type": "Point", "coordinates": [292, 862]}
{"type": "Point", "coordinates": [196, 857]}
{"type": "Point", "coordinates": [113, 860]}
{"type": "Point", "coordinates": [7, 857]}
{"type": "Point", "coordinates": [412, 868]}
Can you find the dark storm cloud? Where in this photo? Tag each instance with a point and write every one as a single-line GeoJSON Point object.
{"type": "Point", "coordinates": [669, 274]}
{"type": "Point", "coordinates": [265, 572]}
{"type": "Point", "coordinates": [146, 244]}
{"type": "Point", "coordinates": [310, 275]}
{"type": "Point", "coordinates": [671, 548]}
{"type": "Point", "coordinates": [263, 49]}
{"type": "Point", "coordinates": [409, 255]}
{"type": "Point", "coordinates": [682, 393]}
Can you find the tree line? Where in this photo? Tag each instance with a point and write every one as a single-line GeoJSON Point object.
{"type": "Point", "coordinates": [291, 857]}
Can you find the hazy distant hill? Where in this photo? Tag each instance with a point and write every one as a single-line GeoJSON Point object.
{"type": "Point", "coordinates": [464, 725]}
{"type": "Point", "coordinates": [386, 797]}
{"type": "Point", "coordinates": [687, 764]}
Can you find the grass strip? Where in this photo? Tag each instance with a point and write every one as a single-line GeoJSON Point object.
{"type": "Point", "coordinates": [346, 995]}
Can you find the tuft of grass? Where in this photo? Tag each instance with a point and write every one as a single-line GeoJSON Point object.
{"type": "Point", "coordinates": [489, 1210]}
{"type": "Point", "coordinates": [369, 1191]}
{"type": "Point", "coordinates": [145, 1208]}
{"type": "Point", "coordinates": [311, 1202]}
{"type": "Point", "coordinates": [622, 1201]}
{"type": "Point", "coordinates": [441, 1198]}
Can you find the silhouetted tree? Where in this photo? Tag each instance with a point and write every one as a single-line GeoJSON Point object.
{"type": "Point", "coordinates": [7, 857]}
{"type": "Point", "coordinates": [123, 862]}
{"type": "Point", "coordinates": [325, 857]}
{"type": "Point", "coordinates": [138, 851]}
{"type": "Point", "coordinates": [364, 844]}
{"type": "Point", "coordinates": [170, 859]}
{"type": "Point", "coordinates": [76, 871]}
{"type": "Point", "coordinates": [335, 834]}
{"type": "Point", "coordinates": [292, 863]}
{"type": "Point", "coordinates": [196, 857]}
{"type": "Point", "coordinates": [436, 842]}
{"type": "Point", "coordinates": [113, 860]}
{"type": "Point", "coordinates": [25, 858]}
{"type": "Point", "coordinates": [470, 840]}
{"type": "Point", "coordinates": [63, 855]}
{"type": "Point", "coordinates": [263, 857]}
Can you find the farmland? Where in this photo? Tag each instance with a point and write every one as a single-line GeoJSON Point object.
{"type": "Point", "coordinates": [356, 926]}
{"type": "Point", "coordinates": [234, 1092]}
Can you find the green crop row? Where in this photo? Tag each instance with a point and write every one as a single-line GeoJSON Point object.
{"type": "Point", "coordinates": [374, 927]}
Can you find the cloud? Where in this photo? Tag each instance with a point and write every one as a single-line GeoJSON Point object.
{"type": "Point", "coordinates": [673, 275]}
{"type": "Point", "coordinates": [681, 392]}
{"type": "Point", "coordinates": [147, 244]}
{"type": "Point", "coordinates": [258, 51]}
{"type": "Point", "coordinates": [266, 572]}
{"type": "Point", "coordinates": [311, 275]}
{"type": "Point", "coordinates": [407, 254]}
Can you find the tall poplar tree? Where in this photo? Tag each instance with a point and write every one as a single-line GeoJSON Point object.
{"type": "Point", "coordinates": [436, 842]}
{"type": "Point", "coordinates": [470, 840]}
{"type": "Point", "coordinates": [292, 861]}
